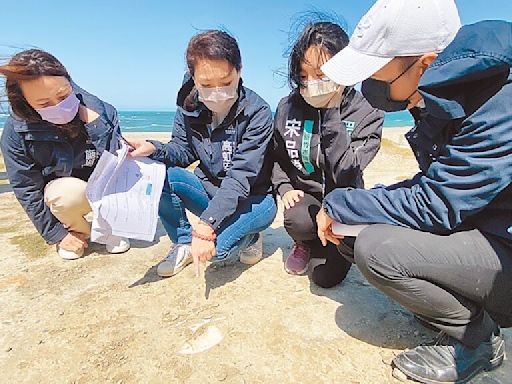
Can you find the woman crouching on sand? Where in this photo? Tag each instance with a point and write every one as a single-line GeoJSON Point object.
{"type": "Point", "coordinates": [51, 144]}
{"type": "Point", "coordinates": [325, 136]}
{"type": "Point", "coordinates": [227, 127]}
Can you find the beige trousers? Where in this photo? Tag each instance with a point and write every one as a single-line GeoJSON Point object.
{"type": "Point", "coordinates": [66, 199]}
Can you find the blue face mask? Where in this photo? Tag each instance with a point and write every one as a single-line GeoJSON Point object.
{"type": "Point", "coordinates": [378, 94]}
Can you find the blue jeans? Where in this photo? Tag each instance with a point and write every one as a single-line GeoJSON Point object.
{"type": "Point", "coordinates": [183, 190]}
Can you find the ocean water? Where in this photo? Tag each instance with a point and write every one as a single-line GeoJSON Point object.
{"type": "Point", "coordinates": [133, 121]}
{"type": "Point", "coordinates": [136, 121]}
{"type": "Point", "coordinates": [398, 119]}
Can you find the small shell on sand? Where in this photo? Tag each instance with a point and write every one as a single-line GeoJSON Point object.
{"type": "Point", "coordinates": [203, 339]}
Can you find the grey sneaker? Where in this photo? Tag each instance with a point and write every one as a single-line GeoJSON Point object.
{"type": "Point", "coordinates": [253, 254]}
{"type": "Point", "coordinates": [178, 258]}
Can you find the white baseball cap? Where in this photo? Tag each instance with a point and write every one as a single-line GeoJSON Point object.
{"type": "Point", "coordinates": [394, 28]}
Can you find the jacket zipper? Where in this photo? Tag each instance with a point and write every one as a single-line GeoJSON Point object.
{"type": "Point", "coordinates": [209, 145]}
{"type": "Point", "coordinates": [208, 140]}
{"type": "Point", "coordinates": [318, 152]}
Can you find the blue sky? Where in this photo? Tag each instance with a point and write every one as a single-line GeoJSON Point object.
{"type": "Point", "coordinates": [131, 53]}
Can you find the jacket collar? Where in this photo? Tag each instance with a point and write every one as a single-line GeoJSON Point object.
{"type": "Point", "coordinates": [478, 52]}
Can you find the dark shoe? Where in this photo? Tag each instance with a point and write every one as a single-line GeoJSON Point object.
{"type": "Point", "coordinates": [449, 361]}
{"type": "Point", "coordinates": [297, 261]}
{"type": "Point", "coordinates": [331, 273]}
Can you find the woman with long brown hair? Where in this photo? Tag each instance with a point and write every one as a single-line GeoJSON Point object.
{"type": "Point", "coordinates": [51, 144]}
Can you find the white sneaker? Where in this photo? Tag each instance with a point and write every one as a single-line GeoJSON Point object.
{"type": "Point", "coordinates": [68, 255]}
{"type": "Point", "coordinates": [117, 244]}
{"type": "Point", "coordinates": [178, 258]}
{"type": "Point", "coordinates": [254, 253]}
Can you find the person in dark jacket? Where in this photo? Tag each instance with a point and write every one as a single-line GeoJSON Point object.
{"type": "Point", "coordinates": [325, 136]}
{"type": "Point", "coordinates": [51, 143]}
{"type": "Point", "coordinates": [227, 128]}
{"type": "Point", "coordinates": [442, 243]}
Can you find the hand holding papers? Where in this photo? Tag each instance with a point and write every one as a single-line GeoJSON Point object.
{"type": "Point", "coordinates": [124, 195]}
{"type": "Point", "coordinates": [329, 230]}
{"type": "Point", "coordinates": [346, 230]}
{"type": "Point", "coordinates": [324, 224]}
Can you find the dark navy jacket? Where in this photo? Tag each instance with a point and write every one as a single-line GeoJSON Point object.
{"type": "Point", "coordinates": [463, 143]}
{"type": "Point", "coordinates": [36, 153]}
{"type": "Point", "coordinates": [344, 141]}
{"type": "Point", "coordinates": [232, 158]}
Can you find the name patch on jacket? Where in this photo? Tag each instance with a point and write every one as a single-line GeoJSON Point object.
{"type": "Point", "coordinates": [227, 154]}
{"type": "Point", "coordinates": [291, 135]}
{"type": "Point", "coordinates": [349, 125]}
{"type": "Point", "coordinates": [91, 154]}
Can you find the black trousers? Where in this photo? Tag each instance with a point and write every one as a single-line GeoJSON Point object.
{"type": "Point", "coordinates": [300, 223]}
{"type": "Point", "coordinates": [461, 283]}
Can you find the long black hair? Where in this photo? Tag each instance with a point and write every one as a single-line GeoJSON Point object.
{"type": "Point", "coordinates": [327, 35]}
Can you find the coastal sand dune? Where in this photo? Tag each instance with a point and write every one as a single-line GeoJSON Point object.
{"type": "Point", "coordinates": [109, 318]}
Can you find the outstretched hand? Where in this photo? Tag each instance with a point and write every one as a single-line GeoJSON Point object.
{"type": "Point", "coordinates": [202, 250]}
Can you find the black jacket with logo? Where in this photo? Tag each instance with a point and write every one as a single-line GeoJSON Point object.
{"type": "Point", "coordinates": [343, 142]}
{"type": "Point", "coordinates": [233, 161]}
{"type": "Point", "coordinates": [36, 153]}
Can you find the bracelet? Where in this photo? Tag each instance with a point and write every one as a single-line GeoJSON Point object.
{"type": "Point", "coordinates": [204, 237]}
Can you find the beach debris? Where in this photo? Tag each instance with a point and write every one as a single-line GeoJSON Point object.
{"type": "Point", "coordinates": [198, 325]}
{"type": "Point", "coordinates": [204, 338]}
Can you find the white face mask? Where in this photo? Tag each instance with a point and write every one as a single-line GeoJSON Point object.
{"type": "Point", "coordinates": [322, 93]}
{"type": "Point", "coordinates": [219, 99]}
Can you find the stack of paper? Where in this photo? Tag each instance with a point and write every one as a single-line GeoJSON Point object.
{"type": "Point", "coordinates": [124, 195]}
{"type": "Point", "coordinates": [347, 230]}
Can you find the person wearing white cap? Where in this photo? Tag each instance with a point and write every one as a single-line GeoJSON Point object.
{"type": "Point", "coordinates": [440, 244]}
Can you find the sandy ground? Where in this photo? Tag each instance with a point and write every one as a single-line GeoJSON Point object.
{"type": "Point", "coordinates": [110, 319]}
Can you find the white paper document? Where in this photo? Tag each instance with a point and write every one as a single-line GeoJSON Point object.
{"type": "Point", "coordinates": [124, 195]}
{"type": "Point", "coordinates": [347, 230]}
